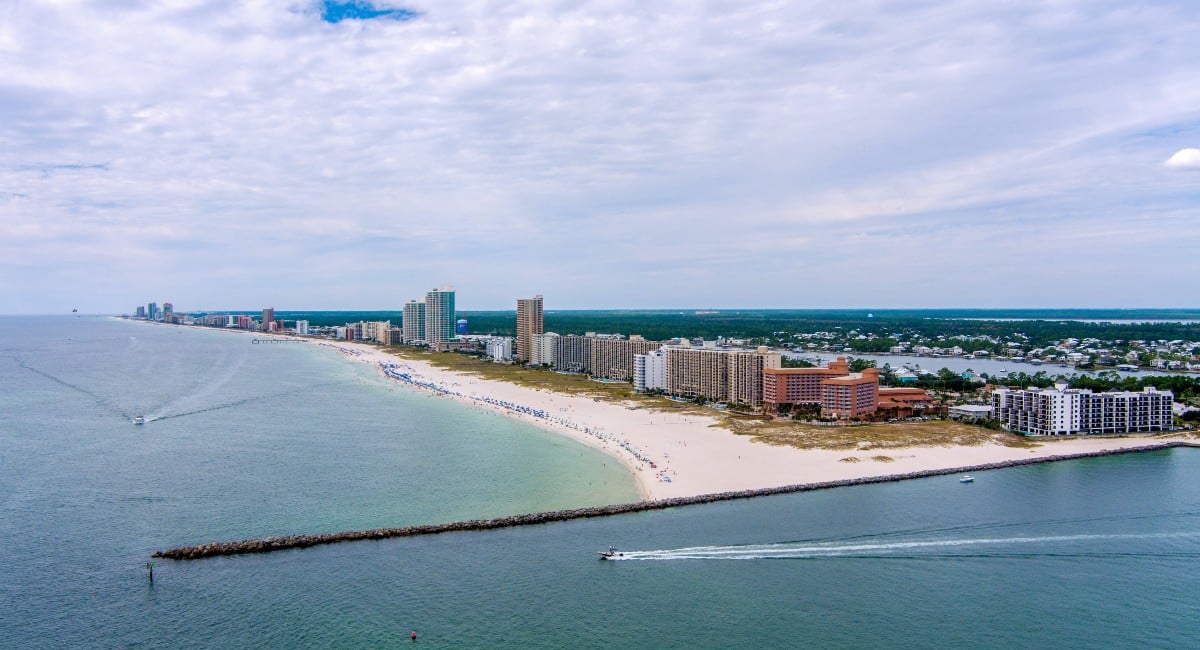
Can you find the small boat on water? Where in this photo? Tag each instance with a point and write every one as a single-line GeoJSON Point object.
{"type": "Point", "coordinates": [611, 553]}
{"type": "Point", "coordinates": [967, 479]}
{"type": "Point", "coordinates": [140, 419]}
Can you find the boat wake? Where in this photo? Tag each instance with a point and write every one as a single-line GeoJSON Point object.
{"type": "Point", "coordinates": [100, 400]}
{"type": "Point", "coordinates": [1047, 546]}
{"type": "Point", "coordinates": [241, 402]}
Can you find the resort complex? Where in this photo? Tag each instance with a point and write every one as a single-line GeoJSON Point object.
{"type": "Point", "coordinates": [839, 392]}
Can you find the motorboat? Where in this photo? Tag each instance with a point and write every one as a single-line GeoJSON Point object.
{"type": "Point", "coordinates": [967, 479]}
{"type": "Point", "coordinates": [141, 419]}
{"type": "Point", "coordinates": [610, 554]}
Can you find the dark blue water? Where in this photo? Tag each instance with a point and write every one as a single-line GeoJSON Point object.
{"type": "Point", "coordinates": [1090, 553]}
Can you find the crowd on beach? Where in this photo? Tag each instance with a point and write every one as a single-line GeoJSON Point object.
{"type": "Point", "coordinates": [347, 351]}
{"type": "Point", "coordinates": [405, 374]}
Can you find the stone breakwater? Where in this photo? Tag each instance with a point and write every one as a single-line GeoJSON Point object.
{"type": "Point", "coordinates": [284, 542]}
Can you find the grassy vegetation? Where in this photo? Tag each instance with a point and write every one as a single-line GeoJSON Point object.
{"type": "Point", "coordinates": [879, 435]}
{"type": "Point", "coordinates": [543, 379]}
{"type": "Point", "coordinates": [889, 435]}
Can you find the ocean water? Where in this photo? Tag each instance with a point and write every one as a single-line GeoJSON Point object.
{"type": "Point", "coordinates": [251, 440]}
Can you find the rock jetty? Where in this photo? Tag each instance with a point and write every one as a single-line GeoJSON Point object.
{"type": "Point", "coordinates": [285, 542]}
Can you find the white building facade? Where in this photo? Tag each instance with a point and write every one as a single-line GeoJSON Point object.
{"type": "Point", "coordinates": [439, 316]}
{"type": "Point", "coordinates": [543, 348]}
{"type": "Point", "coordinates": [500, 348]}
{"type": "Point", "coordinates": [412, 323]}
{"type": "Point", "coordinates": [1064, 411]}
{"type": "Point", "coordinates": [650, 371]}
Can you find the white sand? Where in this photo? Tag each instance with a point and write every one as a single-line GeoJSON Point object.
{"type": "Point", "coordinates": [697, 457]}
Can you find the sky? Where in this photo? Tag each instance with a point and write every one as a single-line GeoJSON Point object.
{"type": "Point", "coordinates": [611, 154]}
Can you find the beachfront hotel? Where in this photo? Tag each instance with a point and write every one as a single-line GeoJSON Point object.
{"type": "Point", "coordinates": [439, 317]}
{"type": "Point", "coordinates": [838, 392]}
{"type": "Point", "coordinates": [799, 385]}
{"type": "Point", "coordinates": [852, 396]}
{"type": "Point", "coordinates": [1062, 411]}
{"type": "Point", "coordinates": [529, 325]}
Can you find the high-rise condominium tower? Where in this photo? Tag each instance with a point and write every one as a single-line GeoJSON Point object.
{"type": "Point", "coordinates": [529, 325]}
{"type": "Point", "coordinates": [412, 326]}
{"type": "Point", "coordinates": [439, 316]}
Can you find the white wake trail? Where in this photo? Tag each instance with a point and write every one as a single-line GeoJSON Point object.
{"type": "Point", "coordinates": [805, 551]}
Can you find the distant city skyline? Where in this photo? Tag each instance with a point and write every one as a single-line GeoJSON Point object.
{"type": "Point", "coordinates": [849, 154]}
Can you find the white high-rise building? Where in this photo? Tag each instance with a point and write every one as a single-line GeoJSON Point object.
{"type": "Point", "coordinates": [439, 316]}
{"type": "Point", "coordinates": [412, 324]}
{"type": "Point", "coordinates": [302, 327]}
{"type": "Point", "coordinates": [543, 347]}
{"type": "Point", "coordinates": [650, 371]}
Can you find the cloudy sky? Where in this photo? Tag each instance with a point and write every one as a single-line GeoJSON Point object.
{"type": "Point", "coordinates": [617, 153]}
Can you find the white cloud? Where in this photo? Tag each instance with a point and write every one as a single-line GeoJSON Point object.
{"type": "Point", "coordinates": [1185, 159]}
{"type": "Point", "coordinates": [547, 138]}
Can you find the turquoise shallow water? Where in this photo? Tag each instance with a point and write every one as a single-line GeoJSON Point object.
{"type": "Point", "coordinates": [254, 440]}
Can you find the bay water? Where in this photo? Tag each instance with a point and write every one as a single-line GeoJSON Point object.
{"type": "Point", "coordinates": [246, 440]}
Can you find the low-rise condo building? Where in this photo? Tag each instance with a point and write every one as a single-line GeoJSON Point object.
{"type": "Point", "coordinates": [1074, 411]}
{"type": "Point", "coordinates": [500, 348]}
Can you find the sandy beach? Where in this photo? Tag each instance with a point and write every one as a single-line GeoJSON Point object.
{"type": "Point", "coordinates": [677, 455]}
